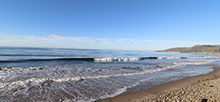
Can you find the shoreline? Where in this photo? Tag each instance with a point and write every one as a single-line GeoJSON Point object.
{"type": "Point", "coordinates": [198, 53]}
{"type": "Point", "coordinates": [165, 89]}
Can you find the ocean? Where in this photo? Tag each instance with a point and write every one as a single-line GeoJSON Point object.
{"type": "Point", "coordinates": [86, 75]}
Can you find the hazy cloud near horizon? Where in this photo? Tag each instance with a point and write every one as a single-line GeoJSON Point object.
{"type": "Point", "coordinates": [89, 42]}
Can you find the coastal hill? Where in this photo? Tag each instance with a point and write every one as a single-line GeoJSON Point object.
{"type": "Point", "coordinates": [198, 49]}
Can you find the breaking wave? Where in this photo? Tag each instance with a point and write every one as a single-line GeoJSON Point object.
{"type": "Point", "coordinates": [40, 80]}
{"type": "Point", "coordinates": [120, 59]}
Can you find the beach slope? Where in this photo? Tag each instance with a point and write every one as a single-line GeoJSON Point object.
{"type": "Point", "coordinates": [203, 88]}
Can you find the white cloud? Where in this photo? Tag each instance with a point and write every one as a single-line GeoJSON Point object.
{"type": "Point", "coordinates": [126, 40]}
{"type": "Point", "coordinates": [89, 42]}
{"type": "Point", "coordinates": [54, 38]}
{"type": "Point", "coordinates": [102, 39]}
{"type": "Point", "coordinates": [171, 41]}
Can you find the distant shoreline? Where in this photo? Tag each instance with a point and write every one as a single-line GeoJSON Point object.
{"type": "Point", "coordinates": [161, 92]}
{"type": "Point", "coordinates": [198, 49]}
{"type": "Point", "coordinates": [203, 53]}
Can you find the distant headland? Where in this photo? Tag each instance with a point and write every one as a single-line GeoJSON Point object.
{"type": "Point", "coordinates": [197, 49]}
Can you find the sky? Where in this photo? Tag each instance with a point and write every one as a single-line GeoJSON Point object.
{"type": "Point", "coordinates": [109, 24]}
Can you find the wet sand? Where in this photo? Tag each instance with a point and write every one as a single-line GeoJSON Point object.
{"type": "Point", "coordinates": [203, 88]}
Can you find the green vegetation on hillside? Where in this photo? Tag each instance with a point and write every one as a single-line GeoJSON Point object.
{"type": "Point", "coordinates": [205, 49]}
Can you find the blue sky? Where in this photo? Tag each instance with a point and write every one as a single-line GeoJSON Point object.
{"type": "Point", "coordinates": [109, 24]}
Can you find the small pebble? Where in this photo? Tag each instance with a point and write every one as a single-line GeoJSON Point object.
{"type": "Point", "coordinates": [204, 100]}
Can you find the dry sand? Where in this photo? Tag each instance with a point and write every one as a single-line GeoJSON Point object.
{"type": "Point", "coordinates": [203, 88]}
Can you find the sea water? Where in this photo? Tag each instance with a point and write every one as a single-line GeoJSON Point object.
{"type": "Point", "coordinates": [85, 75]}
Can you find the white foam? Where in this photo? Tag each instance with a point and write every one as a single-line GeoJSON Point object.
{"type": "Point", "coordinates": [116, 59]}
{"type": "Point", "coordinates": [211, 56]}
{"type": "Point", "coordinates": [40, 80]}
{"type": "Point", "coordinates": [118, 91]}
{"type": "Point", "coordinates": [35, 81]}
{"type": "Point", "coordinates": [196, 62]}
{"type": "Point", "coordinates": [169, 58]}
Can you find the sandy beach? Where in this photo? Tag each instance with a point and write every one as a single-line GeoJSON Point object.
{"type": "Point", "coordinates": [203, 88]}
